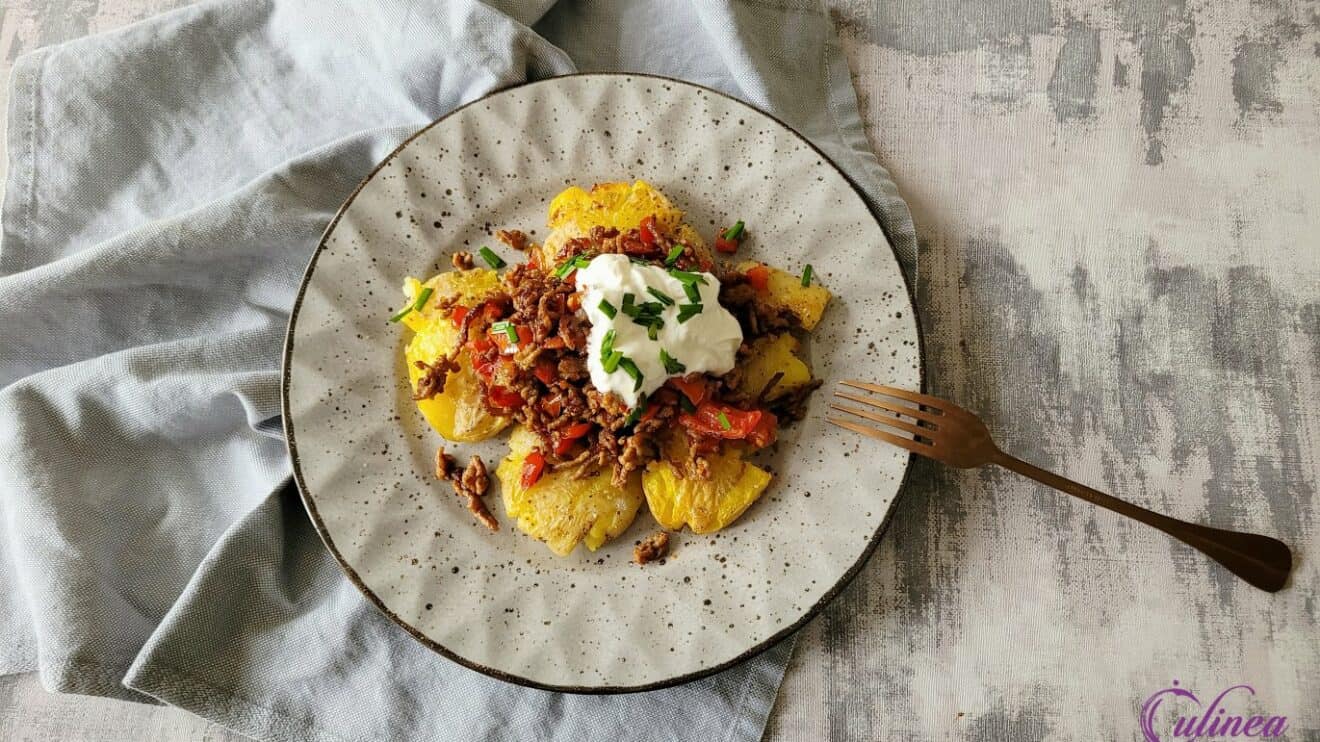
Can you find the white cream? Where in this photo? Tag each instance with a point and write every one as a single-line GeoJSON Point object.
{"type": "Point", "coordinates": [706, 343]}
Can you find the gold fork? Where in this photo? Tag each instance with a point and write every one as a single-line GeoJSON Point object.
{"type": "Point", "coordinates": [945, 432]}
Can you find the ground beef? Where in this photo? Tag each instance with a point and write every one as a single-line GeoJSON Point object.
{"type": "Point", "coordinates": [462, 261]}
{"type": "Point", "coordinates": [514, 238]}
{"type": "Point", "coordinates": [444, 464]}
{"type": "Point", "coordinates": [432, 380]}
{"type": "Point", "coordinates": [471, 485]}
{"type": "Point", "coordinates": [651, 548]}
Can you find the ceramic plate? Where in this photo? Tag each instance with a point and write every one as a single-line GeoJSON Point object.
{"type": "Point", "coordinates": [500, 602]}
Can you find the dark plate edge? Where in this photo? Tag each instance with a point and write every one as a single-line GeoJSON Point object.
{"type": "Point", "coordinates": [310, 505]}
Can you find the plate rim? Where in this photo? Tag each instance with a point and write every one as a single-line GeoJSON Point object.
{"type": "Point", "coordinates": [323, 533]}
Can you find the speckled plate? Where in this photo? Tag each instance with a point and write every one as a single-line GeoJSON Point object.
{"type": "Point", "coordinates": [501, 603]}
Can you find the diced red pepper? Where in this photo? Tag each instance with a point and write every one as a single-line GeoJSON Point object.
{"type": "Point", "coordinates": [545, 370]}
{"type": "Point", "coordinates": [571, 436]}
{"type": "Point", "coordinates": [532, 467]}
{"type": "Point", "coordinates": [764, 433]}
{"type": "Point", "coordinates": [502, 337]}
{"type": "Point", "coordinates": [457, 316]}
{"type": "Point", "coordinates": [706, 420]}
{"type": "Point", "coordinates": [725, 245]}
{"type": "Point", "coordinates": [692, 386]}
{"type": "Point", "coordinates": [480, 345]}
{"type": "Point", "coordinates": [647, 231]}
{"type": "Point", "coordinates": [759, 277]}
{"type": "Point", "coordinates": [505, 398]}
{"type": "Point", "coordinates": [492, 311]}
{"type": "Point", "coordinates": [553, 406]}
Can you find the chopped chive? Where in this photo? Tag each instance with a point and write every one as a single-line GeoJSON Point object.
{"type": "Point", "coordinates": [402, 313]}
{"type": "Point", "coordinates": [674, 254]}
{"type": "Point", "coordinates": [607, 345]}
{"type": "Point", "coordinates": [490, 257]}
{"type": "Point", "coordinates": [688, 311]}
{"type": "Point", "coordinates": [511, 332]}
{"type": "Point", "coordinates": [422, 298]}
{"type": "Point", "coordinates": [672, 365]}
{"type": "Point", "coordinates": [630, 368]}
{"type": "Point", "coordinates": [724, 419]}
{"type": "Point", "coordinates": [693, 293]}
{"type": "Point", "coordinates": [607, 309]}
{"type": "Point", "coordinates": [806, 276]}
{"type": "Point", "coordinates": [636, 413]}
{"type": "Point", "coordinates": [686, 403]}
{"type": "Point", "coordinates": [611, 362]}
{"type": "Point", "coordinates": [734, 232]}
{"type": "Point", "coordinates": [652, 331]}
{"type": "Point", "coordinates": [568, 266]}
{"type": "Point", "coordinates": [628, 300]}
{"type": "Point", "coordinates": [687, 276]}
{"type": "Point", "coordinates": [662, 296]}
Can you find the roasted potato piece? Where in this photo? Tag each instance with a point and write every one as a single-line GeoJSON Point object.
{"type": "Point", "coordinates": [786, 290]}
{"type": "Point", "coordinates": [705, 505]}
{"type": "Point", "coordinates": [620, 205]}
{"type": "Point", "coordinates": [457, 413]}
{"type": "Point", "coordinates": [560, 510]}
{"type": "Point", "coordinates": [770, 355]}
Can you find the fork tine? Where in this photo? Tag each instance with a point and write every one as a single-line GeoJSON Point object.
{"type": "Point", "coordinates": [889, 420]}
{"type": "Point", "coordinates": [923, 399]}
{"type": "Point", "coordinates": [894, 407]}
{"type": "Point", "coordinates": [897, 440]}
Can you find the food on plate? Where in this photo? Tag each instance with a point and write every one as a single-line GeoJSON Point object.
{"type": "Point", "coordinates": [652, 548]}
{"type": "Point", "coordinates": [632, 365]}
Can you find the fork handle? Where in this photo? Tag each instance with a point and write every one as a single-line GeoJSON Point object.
{"type": "Point", "coordinates": [1260, 560]}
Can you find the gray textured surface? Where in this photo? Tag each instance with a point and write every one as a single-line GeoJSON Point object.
{"type": "Point", "coordinates": [1119, 206]}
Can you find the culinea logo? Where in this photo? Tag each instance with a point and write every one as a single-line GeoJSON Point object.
{"type": "Point", "coordinates": [1207, 722]}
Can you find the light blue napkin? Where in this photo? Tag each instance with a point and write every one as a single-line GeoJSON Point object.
{"type": "Point", "coordinates": [167, 183]}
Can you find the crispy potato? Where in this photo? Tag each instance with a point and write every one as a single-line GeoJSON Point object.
{"type": "Point", "coordinates": [619, 205]}
{"type": "Point", "coordinates": [704, 505]}
{"type": "Point", "coordinates": [560, 510]}
{"type": "Point", "coordinates": [457, 413]}
{"type": "Point", "coordinates": [786, 290]}
{"type": "Point", "coordinates": [770, 355]}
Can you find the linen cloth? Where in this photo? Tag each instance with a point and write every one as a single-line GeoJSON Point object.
{"type": "Point", "coordinates": [167, 183]}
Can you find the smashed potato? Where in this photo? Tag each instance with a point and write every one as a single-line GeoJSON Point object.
{"type": "Point", "coordinates": [706, 505]}
{"type": "Point", "coordinates": [560, 510]}
{"type": "Point", "coordinates": [786, 290]}
{"type": "Point", "coordinates": [770, 355]}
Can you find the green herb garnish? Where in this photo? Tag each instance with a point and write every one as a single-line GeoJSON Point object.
{"type": "Point", "coordinates": [422, 298]}
{"type": "Point", "coordinates": [662, 296]}
{"type": "Point", "coordinates": [672, 365]}
{"type": "Point", "coordinates": [611, 362]}
{"type": "Point", "coordinates": [636, 413]}
{"type": "Point", "coordinates": [693, 293]}
{"type": "Point", "coordinates": [687, 276]}
{"type": "Point", "coordinates": [724, 419]}
{"type": "Point", "coordinates": [631, 369]}
{"type": "Point", "coordinates": [402, 313]}
{"type": "Point", "coordinates": [688, 311]}
{"type": "Point", "coordinates": [508, 328]}
{"type": "Point", "coordinates": [652, 331]}
{"type": "Point", "coordinates": [607, 345]}
{"type": "Point", "coordinates": [490, 257]}
{"type": "Point", "coordinates": [674, 254]}
{"type": "Point", "coordinates": [734, 232]}
{"type": "Point", "coordinates": [572, 264]}
{"type": "Point", "coordinates": [607, 309]}
{"type": "Point", "coordinates": [806, 276]}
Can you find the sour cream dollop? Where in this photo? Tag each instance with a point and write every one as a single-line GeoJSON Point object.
{"type": "Point", "coordinates": [707, 342]}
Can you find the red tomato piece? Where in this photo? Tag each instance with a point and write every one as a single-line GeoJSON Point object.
{"type": "Point", "coordinates": [457, 315]}
{"type": "Point", "coordinates": [505, 398]}
{"type": "Point", "coordinates": [726, 246]}
{"type": "Point", "coordinates": [707, 421]}
{"type": "Point", "coordinates": [693, 387]}
{"type": "Point", "coordinates": [532, 467]}
{"type": "Point", "coordinates": [647, 231]}
{"type": "Point", "coordinates": [545, 371]}
{"type": "Point", "coordinates": [759, 277]}
{"type": "Point", "coordinates": [571, 436]}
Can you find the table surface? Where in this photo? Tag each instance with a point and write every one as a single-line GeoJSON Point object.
{"type": "Point", "coordinates": [1118, 205]}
